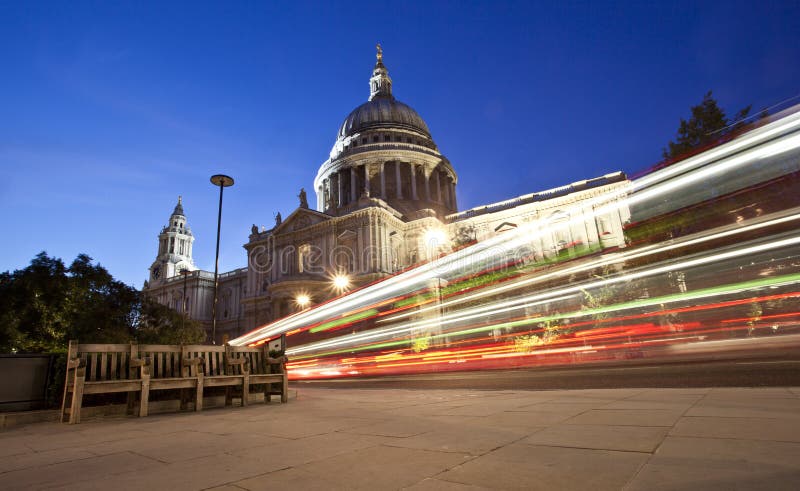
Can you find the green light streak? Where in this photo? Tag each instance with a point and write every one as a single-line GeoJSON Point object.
{"type": "Point", "coordinates": [676, 297]}
{"type": "Point", "coordinates": [344, 320]}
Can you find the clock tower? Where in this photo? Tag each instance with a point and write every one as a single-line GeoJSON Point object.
{"type": "Point", "coordinates": [174, 248]}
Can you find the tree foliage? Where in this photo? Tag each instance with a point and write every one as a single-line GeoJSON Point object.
{"type": "Point", "coordinates": [707, 125]}
{"type": "Point", "coordinates": [46, 304]}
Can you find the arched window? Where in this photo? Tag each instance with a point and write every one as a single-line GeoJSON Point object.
{"type": "Point", "coordinates": [560, 230]}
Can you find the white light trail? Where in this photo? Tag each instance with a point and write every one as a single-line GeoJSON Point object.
{"type": "Point", "coordinates": [658, 184]}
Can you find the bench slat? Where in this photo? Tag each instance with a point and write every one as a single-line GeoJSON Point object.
{"type": "Point", "coordinates": [114, 372]}
{"type": "Point", "coordinates": [112, 386]}
{"type": "Point", "coordinates": [104, 365]}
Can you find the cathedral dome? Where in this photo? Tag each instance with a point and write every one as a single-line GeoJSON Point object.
{"type": "Point", "coordinates": [380, 113]}
{"type": "Point", "coordinates": [384, 151]}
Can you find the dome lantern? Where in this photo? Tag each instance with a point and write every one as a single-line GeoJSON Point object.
{"type": "Point", "coordinates": [380, 85]}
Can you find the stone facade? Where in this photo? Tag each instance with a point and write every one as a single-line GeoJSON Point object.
{"type": "Point", "coordinates": [383, 195]}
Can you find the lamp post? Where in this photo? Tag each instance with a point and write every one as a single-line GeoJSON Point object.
{"type": "Point", "coordinates": [222, 181]}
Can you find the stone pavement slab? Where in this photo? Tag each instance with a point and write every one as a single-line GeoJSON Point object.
{"type": "Point", "coordinates": [637, 439]}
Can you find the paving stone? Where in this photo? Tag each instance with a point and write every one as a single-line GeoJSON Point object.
{"type": "Point", "coordinates": [751, 393]}
{"type": "Point", "coordinates": [288, 479]}
{"type": "Point", "coordinates": [564, 408]}
{"type": "Point", "coordinates": [606, 437]}
{"type": "Point", "coordinates": [659, 405]}
{"type": "Point", "coordinates": [626, 417]}
{"type": "Point", "coordinates": [710, 463]}
{"type": "Point", "coordinates": [398, 428]}
{"type": "Point", "coordinates": [431, 484]}
{"type": "Point", "coordinates": [748, 404]}
{"type": "Point", "coordinates": [383, 467]}
{"type": "Point", "coordinates": [36, 459]}
{"type": "Point", "coordinates": [531, 467]}
{"type": "Point", "coordinates": [517, 419]}
{"type": "Point", "coordinates": [538, 418]}
{"type": "Point", "coordinates": [310, 449]}
{"type": "Point", "coordinates": [99, 469]}
{"type": "Point", "coordinates": [201, 473]}
{"type": "Point", "coordinates": [474, 440]}
{"type": "Point", "coordinates": [742, 428]}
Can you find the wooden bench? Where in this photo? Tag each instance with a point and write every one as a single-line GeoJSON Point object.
{"type": "Point", "coordinates": [100, 369]}
{"type": "Point", "coordinates": [168, 367]}
{"type": "Point", "coordinates": [141, 369]}
{"type": "Point", "coordinates": [263, 370]}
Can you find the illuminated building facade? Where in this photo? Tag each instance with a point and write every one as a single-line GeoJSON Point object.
{"type": "Point", "coordinates": [385, 200]}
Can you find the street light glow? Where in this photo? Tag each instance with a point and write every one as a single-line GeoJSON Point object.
{"type": "Point", "coordinates": [302, 300]}
{"type": "Point", "coordinates": [435, 237]}
{"type": "Point", "coordinates": [341, 281]}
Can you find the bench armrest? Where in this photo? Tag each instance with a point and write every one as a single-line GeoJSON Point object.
{"type": "Point", "coordinates": [138, 362]}
{"type": "Point", "coordinates": [194, 361]}
{"type": "Point", "coordinates": [75, 363]}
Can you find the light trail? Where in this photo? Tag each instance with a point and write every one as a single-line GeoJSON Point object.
{"type": "Point", "coordinates": [494, 312]}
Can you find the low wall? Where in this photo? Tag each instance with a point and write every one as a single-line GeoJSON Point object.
{"type": "Point", "coordinates": [23, 386]}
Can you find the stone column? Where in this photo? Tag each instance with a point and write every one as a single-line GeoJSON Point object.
{"type": "Point", "coordinates": [326, 194]}
{"type": "Point", "coordinates": [366, 177]}
{"type": "Point", "coordinates": [319, 199]}
{"type": "Point", "coordinates": [427, 184]}
{"type": "Point", "coordinates": [413, 181]}
{"type": "Point", "coordinates": [353, 181]}
{"type": "Point", "coordinates": [398, 179]}
{"type": "Point", "coordinates": [438, 186]}
{"type": "Point", "coordinates": [453, 195]}
{"type": "Point", "coordinates": [340, 178]}
{"type": "Point", "coordinates": [383, 180]}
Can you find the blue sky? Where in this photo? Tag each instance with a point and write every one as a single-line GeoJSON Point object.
{"type": "Point", "coordinates": [110, 110]}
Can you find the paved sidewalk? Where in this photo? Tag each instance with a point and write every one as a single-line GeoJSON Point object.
{"type": "Point", "coordinates": [638, 439]}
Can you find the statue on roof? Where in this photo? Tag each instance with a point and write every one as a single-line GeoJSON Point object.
{"type": "Point", "coordinates": [303, 199]}
{"type": "Point", "coordinates": [253, 229]}
{"type": "Point", "coordinates": [278, 219]}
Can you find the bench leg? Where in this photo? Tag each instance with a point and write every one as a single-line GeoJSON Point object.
{"type": "Point", "coordinates": [285, 388]}
{"type": "Point", "coordinates": [198, 398]}
{"type": "Point", "coordinates": [267, 392]}
{"type": "Point", "coordinates": [145, 398]}
{"type": "Point", "coordinates": [77, 398]}
{"type": "Point", "coordinates": [245, 389]}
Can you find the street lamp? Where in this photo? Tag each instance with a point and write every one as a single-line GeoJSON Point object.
{"type": "Point", "coordinates": [222, 181]}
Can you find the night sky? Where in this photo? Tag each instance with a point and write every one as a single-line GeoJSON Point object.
{"type": "Point", "coordinates": [110, 110]}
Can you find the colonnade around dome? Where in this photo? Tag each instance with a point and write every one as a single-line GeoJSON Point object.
{"type": "Point", "coordinates": [408, 186]}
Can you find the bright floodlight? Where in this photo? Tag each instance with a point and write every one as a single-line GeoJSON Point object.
{"type": "Point", "coordinates": [341, 281]}
{"type": "Point", "coordinates": [435, 237]}
{"type": "Point", "coordinates": [302, 300]}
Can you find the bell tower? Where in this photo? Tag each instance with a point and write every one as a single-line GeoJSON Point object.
{"type": "Point", "coordinates": [174, 247]}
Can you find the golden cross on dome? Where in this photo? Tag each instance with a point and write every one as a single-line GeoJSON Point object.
{"type": "Point", "coordinates": [379, 56]}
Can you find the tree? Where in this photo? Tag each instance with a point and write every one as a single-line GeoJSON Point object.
{"type": "Point", "coordinates": [46, 304]}
{"type": "Point", "coordinates": [707, 125]}
{"type": "Point", "coordinates": [159, 324]}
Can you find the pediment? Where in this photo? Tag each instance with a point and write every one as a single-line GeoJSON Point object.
{"type": "Point", "coordinates": [347, 235]}
{"type": "Point", "coordinates": [505, 226]}
{"type": "Point", "coordinates": [300, 219]}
